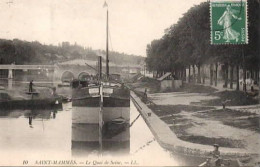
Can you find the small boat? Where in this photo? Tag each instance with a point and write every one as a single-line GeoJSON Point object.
{"type": "Point", "coordinates": [115, 127]}
{"type": "Point", "coordinates": [118, 121]}
{"type": "Point", "coordinates": [32, 93]}
{"type": "Point", "coordinates": [27, 100]}
{"type": "Point", "coordinates": [221, 162]}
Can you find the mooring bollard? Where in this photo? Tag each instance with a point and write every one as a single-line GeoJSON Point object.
{"type": "Point", "coordinates": [224, 103]}
{"type": "Point", "coordinates": [149, 114]}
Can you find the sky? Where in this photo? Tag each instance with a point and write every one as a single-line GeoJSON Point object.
{"type": "Point", "coordinates": [132, 23]}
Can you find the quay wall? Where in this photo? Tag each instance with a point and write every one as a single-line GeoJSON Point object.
{"type": "Point", "coordinates": [168, 140]}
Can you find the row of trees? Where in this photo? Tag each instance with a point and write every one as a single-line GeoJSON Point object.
{"type": "Point", "coordinates": [187, 45]}
{"type": "Point", "coordinates": [23, 52]}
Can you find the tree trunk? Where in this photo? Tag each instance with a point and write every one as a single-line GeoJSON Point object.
{"type": "Point", "coordinates": [193, 77]}
{"type": "Point", "coordinates": [244, 69]}
{"type": "Point", "coordinates": [189, 75]}
{"type": "Point", "coordinates": [203, 74]}
{"type": "Point", "coordinates": [244, 78]}
{"type": "Point", "coordinates": [204, 77]}
{"type": "Point", "coordinates": [199, 77]}
{"type": "Point", "coordinates": [257, 76]}
{"type": "Point", "coordinates": [211, 74]}
{"type": "Point", "coordinates": [231, 76]}
{"type": "Point", "coordinates": [185, 74]}
{"type": "Point", "coordinates": [237, 78]}
{"type": "Point", "coordinates": [182, 74]}
{"type": "Point", "coordinates": [177, 74]}
{"type": "Point", "coordinates": [226, 75]}
{"type": "Point", "coordinates": [216, 74]}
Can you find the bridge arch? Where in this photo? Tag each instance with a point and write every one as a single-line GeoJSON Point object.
{"type": "Point", "coordinates": [67, 76]}
{"type": "Point", "coordinates": [84, 75]}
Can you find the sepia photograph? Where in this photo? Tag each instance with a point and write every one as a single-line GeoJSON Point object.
{"type": "Point", "coordinates": [130, 83]}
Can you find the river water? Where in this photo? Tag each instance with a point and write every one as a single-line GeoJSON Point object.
{"type": "Point", "coordinates": [48, 137]}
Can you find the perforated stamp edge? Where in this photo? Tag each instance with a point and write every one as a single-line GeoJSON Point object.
{"type": "Point", "coordinates": [246, 20]}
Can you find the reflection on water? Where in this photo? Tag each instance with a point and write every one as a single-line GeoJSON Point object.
{"type": "Point", "coordinates": [50, 136]}
{"type": "Point", "coordinates": [88, 138]}
{"type": "Point", "coordinates": [85, 141]}
{"type": "Point", "coordinates": [35, 114]}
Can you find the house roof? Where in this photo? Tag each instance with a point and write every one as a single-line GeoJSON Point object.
{"type": "Point", "coordinates": [164, 76]}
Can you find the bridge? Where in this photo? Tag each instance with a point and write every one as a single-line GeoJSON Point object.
{"type": "Point", "coordinates": [60, 72]}
{"type": "Point", "coordinates": [68, 70]}
{"type": "Point", "coordinates": [65, 72]}
{"type": "Point", "coordinates": [25, 67]}
{"type": "Point", "coordinates": [11, 67]}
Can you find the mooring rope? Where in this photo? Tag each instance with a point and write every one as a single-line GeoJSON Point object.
{"type": "Point", "coordinates": [134, 120]}
{"type": "Point", "coordinates": [145, 145]}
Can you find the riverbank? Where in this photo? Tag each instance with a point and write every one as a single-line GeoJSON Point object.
{"type": "Point", "coordinates": [229, 96]}
{"type": "Point", "coordinates": [170, 141]}
{"type": "Point", "coordinates": [196, 126]}
{"type": "Point", "coordinates": [153, 86]}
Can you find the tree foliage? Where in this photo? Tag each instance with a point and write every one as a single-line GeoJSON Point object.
{"type": "Point", "coordinates": [188, 43]}
{"type": "Point", "coordinates": [23, 52]}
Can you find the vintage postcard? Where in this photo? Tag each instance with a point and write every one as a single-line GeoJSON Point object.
{"type": "Point", "coordinates": [129, 83]}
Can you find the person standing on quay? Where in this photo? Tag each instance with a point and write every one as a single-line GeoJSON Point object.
{"type": "Point", "coordinates": [31, 86]}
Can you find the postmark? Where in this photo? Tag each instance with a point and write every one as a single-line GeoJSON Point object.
{"type": "Point", "coordinates": [228, 22]}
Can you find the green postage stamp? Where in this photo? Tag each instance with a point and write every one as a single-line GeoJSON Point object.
{"type": "Point", "coordinates": [228, 22]}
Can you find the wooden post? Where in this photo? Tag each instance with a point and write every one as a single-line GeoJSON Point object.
{"type": "Point", "coordinates": [100, 137]}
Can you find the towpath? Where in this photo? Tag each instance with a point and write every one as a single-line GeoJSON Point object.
{"type": "Point", "coordinates": [170, 141]}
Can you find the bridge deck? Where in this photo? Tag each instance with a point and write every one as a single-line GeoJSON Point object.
{"type": "Point", "coordinates": [25, 67]}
